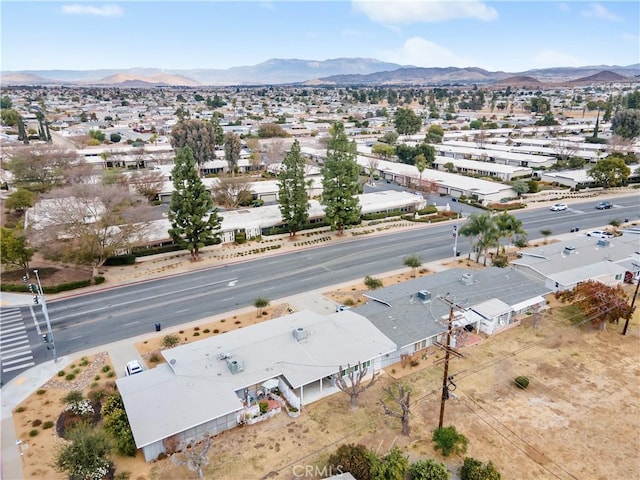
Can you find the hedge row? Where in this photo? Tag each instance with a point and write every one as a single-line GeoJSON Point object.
{"type": "Point", "coordinates": [379, 215]}
{"type": "Point", "coordinates": [63, 287]}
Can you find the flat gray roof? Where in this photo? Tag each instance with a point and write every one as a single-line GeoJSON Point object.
{"type": "Point", "coordinates": [197, 385]}
{"type": "Point", "coordinates": [408, 320]}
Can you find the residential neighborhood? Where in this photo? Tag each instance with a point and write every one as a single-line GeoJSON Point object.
{"type": "Point", "coordinates": [167, 200]}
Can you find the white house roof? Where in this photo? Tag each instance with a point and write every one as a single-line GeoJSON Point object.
{"type": "Point", "coordinates": [479, 165]}
{"type": "Point", "coordinates": [196, 385]}
{"type": "Point", "coordinates": [491, 308]}
{"type": "Point", "coordinates": [468, 184]}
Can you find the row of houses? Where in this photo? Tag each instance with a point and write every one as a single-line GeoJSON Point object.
{"type": "Point", "coordinates": [218, 380]}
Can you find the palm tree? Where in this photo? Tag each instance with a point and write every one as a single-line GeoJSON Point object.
{"type": "Point", "coordinates": [507, 226]}
{"type": "Point", "coordinates": [479, 226]}
{"type": "Point", "coordinates": [489, 238]}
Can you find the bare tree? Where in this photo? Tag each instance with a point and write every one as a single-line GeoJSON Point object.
{"type": "Point", "coordinates": [194, 457]}
{"type": "Point", "coordinates": [43, 167]}
{"type": "Point", "coordinates": [480, 139]}
{"type": "Point", "coordinates": [619, 144]}
{"type": "Point", "coordinates": [88, 223]}
{"type": "Point", "coordinates": [275, 150]}
{"type": "Point", "coordinates": [400, 395]}
{"type": "Point", "coordinates": [231, 192]}
{"type": "Point", "coordinates": [354, 386]}
{"type": "Point", "coordinates": [564, 150]}
{"type": "Point", "coordinates": [148, 183]}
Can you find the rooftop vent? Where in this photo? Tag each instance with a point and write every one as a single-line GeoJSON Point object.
{"type": "Point", "coordinates": [424, 296]}
{"type": "Point", "coordinates": [467, 278]}
{"type": "Point", "coordinates": [568, 250]}
{"type": "Point", "coordinates": [300, 333]}
{"type": "Point", "coordinates": [235, 366]}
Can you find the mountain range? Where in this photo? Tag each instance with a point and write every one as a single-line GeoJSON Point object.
{"type": "Point", "coordinates": [339, 71]}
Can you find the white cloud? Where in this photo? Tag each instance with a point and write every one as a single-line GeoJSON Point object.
{"type": "Point", "coordinates": [596, 10]}
{"type": "Point", "coordinates": [104, 11]}
{"type": "Point", "coordinates": [423, 53]}
{"type": "Point", "coordinates": [552, 58]}
{"type": "Point", "coordinates": [397, 12]}
{"type": "Point", "coordinates": [631, 36]}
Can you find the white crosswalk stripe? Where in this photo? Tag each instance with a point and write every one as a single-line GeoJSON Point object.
{"type": "Point", "coordinates": [15, 349]}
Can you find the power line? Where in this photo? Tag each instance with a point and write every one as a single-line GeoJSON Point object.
{"type": "Point", "coordinates": [515, 435]}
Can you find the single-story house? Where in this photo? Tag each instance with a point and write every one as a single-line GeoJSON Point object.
{"type": "Point", "coordinates": [442, 182]}
{"type": "Point", "coordinates": [206, 387]}
{"type": "Point", "coordinates": [562, 265]}
{"type": "Point", "coordinates": [413, 315]}
{"type": "Point", "coordinates": [505, 173]}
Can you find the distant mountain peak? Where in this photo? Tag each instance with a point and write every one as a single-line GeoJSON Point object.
{"type": "Point", "coordinates": [342, 70]}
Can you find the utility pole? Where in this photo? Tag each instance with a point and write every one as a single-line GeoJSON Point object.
{"type": "Point", "coordinates": [446, 379]}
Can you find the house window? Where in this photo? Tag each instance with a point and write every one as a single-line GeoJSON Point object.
{"type": "Point", "coordinates": [619, 276]}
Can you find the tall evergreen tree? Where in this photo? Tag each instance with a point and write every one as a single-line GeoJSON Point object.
{"type": "Point", "coordinates": [340, 180]}
{"type": "Point", "coordinates": [292, 191]}
{"type": "Point", "coordinates": [22, 132]}
{"type": "Point", "coordinates": [198, 135]}
{"type": "Point", "coordinates": [218, 132]}
{"type": "Point", "coordinates": [232, 147]}
{"type": "Point", "coordinates": [194, 221]}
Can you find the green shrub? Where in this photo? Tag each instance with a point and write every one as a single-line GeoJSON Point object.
{"type": "Point", "coordinates": [143, 252]}
{"type": "Point", "coordinates": [170, 341]}
{"type": "Point", "coordinates": [522, 382]}
{"type": "Point", "coordinates": [106, 368]}
{"type": "Point", "coordinates": [473, 469]}
{"type": "Point", "coordinates": [449, 441]}
{"type": "Point", "coordinates": [264, 406]}
{"type": "Point", "coordinates": [98, 280]}
{"type": "Point", "coordinates": [119, 260]}
{"type": "Point", "coordinates": [500, 261]}
{"type": "Point", "coordinates": [47, 425]}
{"type": "Point", "coordinates": [196, 334]}
{"type": "Point", "coordinates": [84, 361]}
{"type": "Point", "coordinates": [70, 376]}
{"type": "Point", "coordinates": [20, 409]}
{"type": "Point", "coordinates": [206, 330]}
{"type": "Point", "coordinates": [33, 433]}
{"type": "Point", "coordinates": [372, 283]}
{"type": "Point", "coordinates": [96, 378]}
{"type": "Point", "coordinates": [154, 358]}
{"type": "Point", "coordinates": [111, 374]}
{"type": "Point", "coordinates": [41, 391]}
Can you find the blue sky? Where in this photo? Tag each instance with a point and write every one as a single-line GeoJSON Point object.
{"type": "Point", "coordinates": [504, 35]}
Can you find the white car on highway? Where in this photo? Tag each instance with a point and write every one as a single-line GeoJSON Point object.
{"type": "Point", "coordinates": [558, 207]}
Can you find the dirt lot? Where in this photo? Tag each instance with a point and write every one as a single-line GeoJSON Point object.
{"type": "Point", "coordinates": [578, 419]}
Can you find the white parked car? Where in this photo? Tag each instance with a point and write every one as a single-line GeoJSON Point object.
{"type": "Point", "coordinates": [600, 234]}
{"type": "Point", "coordinates": [133, 367]}
{"type": "Point", "coordinates": [558, 207]}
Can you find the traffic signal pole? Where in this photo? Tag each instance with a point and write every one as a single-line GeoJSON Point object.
{"type": "Point", "coordinates": [40, 298]}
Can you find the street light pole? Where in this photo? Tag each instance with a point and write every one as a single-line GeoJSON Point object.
{"type": "Point", "coordinates": [45, 311]}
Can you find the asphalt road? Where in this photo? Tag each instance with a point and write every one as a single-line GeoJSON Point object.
{"type": "Point", "coordinates": [101, 317]}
